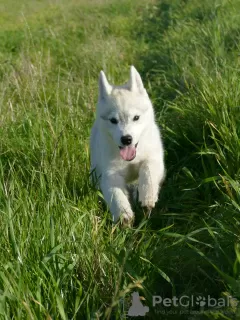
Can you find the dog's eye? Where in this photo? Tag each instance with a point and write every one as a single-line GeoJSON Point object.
{"type": "Point", "coordinates": [114, 120]}
{"type": "Point", "coordinates": [136, 118]}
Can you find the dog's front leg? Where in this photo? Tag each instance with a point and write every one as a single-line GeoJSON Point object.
{"type": "Point", "coordinates": [116, 195]}
{"type": "Point", "coordinates": [151, 176]}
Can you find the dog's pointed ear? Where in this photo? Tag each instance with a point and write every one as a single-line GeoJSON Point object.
{"type": "Point", "coordinates": [104, 87]}
{"type": "Point", "coordinates": [135, 81]}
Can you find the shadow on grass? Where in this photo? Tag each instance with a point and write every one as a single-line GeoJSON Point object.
{"type": "Point", "coordinates": [185, 201]}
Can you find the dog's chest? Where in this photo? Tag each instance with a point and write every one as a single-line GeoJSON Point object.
{"type": "Point", "coordinates": [132, 172]}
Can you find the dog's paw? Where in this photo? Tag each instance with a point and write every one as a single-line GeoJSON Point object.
{"type": "Point", "coordinates": [148, 202]}
{"type": "Point", "coordinates": [127, 219]}
{"type": "Point", "coordinates": [147, 196]}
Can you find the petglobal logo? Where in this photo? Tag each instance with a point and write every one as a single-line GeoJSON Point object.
{"type": "Point", "coordinates": [190, 301]}
{"type": "Point", "coordinates": [136, 306]}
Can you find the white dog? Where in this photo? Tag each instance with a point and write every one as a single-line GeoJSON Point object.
{"type": "Point", "coordinates": [126, 146]}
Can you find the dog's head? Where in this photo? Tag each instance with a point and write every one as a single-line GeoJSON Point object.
{"type": "Point", "coordinates": [125, 112]}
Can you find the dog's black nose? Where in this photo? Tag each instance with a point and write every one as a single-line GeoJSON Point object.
{"type": "Point", "coordinates": [126, 140]}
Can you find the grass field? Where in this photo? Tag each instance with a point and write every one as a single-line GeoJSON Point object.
{"type": "Point", "coordinates": [60, 256]}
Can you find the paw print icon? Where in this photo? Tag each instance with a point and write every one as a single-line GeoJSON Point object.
{"type": "Point", "coordinates": [201, 301]}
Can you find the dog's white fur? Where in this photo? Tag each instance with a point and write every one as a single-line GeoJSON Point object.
{"type": "Point", "coordinates": [124, 103]}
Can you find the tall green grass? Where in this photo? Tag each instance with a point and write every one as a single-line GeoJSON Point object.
{"type": "Point", "coordinates": [60, 256]}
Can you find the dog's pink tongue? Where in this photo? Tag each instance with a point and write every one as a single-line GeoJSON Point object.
{"type": "Point", "coordinates": [128, 153]}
